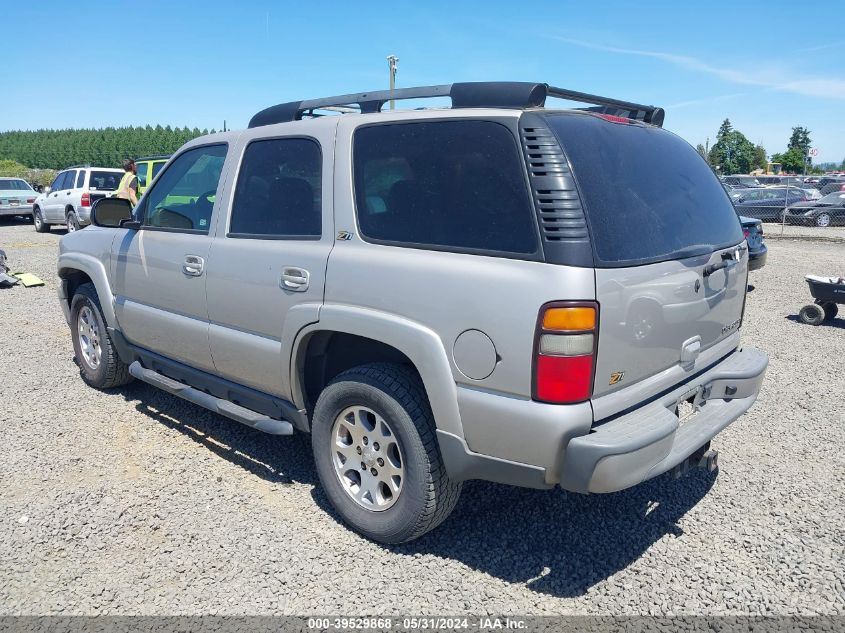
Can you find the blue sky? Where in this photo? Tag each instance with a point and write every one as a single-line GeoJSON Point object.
{"type": "Point", "coordinates": [767, 66]}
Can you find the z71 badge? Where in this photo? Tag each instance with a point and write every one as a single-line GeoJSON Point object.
{"type": "Point", "coordinates": [616, 377]}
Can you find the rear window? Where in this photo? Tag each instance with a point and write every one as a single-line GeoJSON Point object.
{"type": "Point", "coordinates": [104, 180]}
{"type": "Point", "coordinates": [443, 185]}
{"type": "Point", "coordinates": [13, 184]}
{"type": "Point", "coordinates": [648, 195]}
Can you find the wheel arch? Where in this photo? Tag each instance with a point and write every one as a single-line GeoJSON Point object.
{"type": "Point", "coordinates": [346, 336]}
{"type": "Point", "coordinates": [75, 269]}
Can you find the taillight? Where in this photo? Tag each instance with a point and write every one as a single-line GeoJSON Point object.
{"type": "Point", "coordinates": [86, 199]}
{"type": "Point", "coordinates": [30, 200]}
{"type": "Point", "coordinates": [564, 352]}
{"type": "Point", "coordinates": [614, 119]}
{"type": "Point", "coordinates": [746, 232]}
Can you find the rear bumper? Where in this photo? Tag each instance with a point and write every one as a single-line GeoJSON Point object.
{"type": "Point", "coordinates": [757, 259]}
{"type": "Point", "coordinates": [650, 441]}
{"type": "Point", "coordinates": [22, 209]}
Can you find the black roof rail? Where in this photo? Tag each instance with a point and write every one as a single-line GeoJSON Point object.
{"type": "Point", "coordinates": [476, 94]}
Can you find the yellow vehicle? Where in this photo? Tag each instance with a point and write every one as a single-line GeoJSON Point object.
{"type": "Point", "coordinates": [148, 168]}
{"type": "Point", "coordinates": [773, 169]}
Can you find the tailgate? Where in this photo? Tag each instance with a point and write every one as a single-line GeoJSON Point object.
{"type": "Point", "coordinates": [662, 315]}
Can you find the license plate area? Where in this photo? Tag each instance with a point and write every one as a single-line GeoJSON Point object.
{"type": "Point", "coordinates": [14, 203]}
{"type": "Point", "coordinates": [688, 406]}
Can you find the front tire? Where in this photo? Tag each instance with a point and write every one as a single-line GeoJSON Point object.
{"type": "Point", "coordinates": [376, 453]}
{"type": "Point", "coordinates": [811, 314]}
{"type": "Point", "coordinates": [40, 225]}
{"type": "Point", "coordinates": [99, 364]}
{"type": "Point", "coordinates": [823, 219]}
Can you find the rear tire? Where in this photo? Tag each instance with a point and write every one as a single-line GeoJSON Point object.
{"type": "Point", "coordinates": [811, 314]}
{"type": "Point", "coordinates": [72, 221]}
{"type": "Point", "coordinates": [830, 309]}
{"type": "Point", "coordinates": [348, 417]}
{"type": "Point", "coordinates": [99, 364]}
{"type": "Point", "coordinates": [40, 225]}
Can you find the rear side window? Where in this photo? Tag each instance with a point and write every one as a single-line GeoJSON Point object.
{"type": "Point", "coordinates": [80, 180]}
{"type": "Point", "coordinates": [648, 195]}
{"type": "Point", "coordinates": [141, 173]}
{"type": "Point", "coordinates": [278, 190]}
{"type": "Point", "coordinates": [445, 185]}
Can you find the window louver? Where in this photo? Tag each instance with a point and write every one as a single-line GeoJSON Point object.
{"type": "Point", "coordinates": [553, 189]}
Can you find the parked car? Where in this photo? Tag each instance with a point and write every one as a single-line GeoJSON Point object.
{"type": "Point", "coordinates": [792, 181]}
{"type": "Point", "coordinates": [832, 187]}
{"type": "Point", "coordinates": [741, 181]}
{"type": "Point", "coordinates": [70, 198]}
{"type": "Point", "coordinates": [767, 203]}
{"type": "Point", "coordinates": [752, 229]}
{"type": "Point", "coordinates": [827, 211]}
{"type": "Point", "coordinates": [494, 291]}
{"type": "Point", "coordinates": [147, 169]}
{"type": "Point", "coordinates": [16, 197]}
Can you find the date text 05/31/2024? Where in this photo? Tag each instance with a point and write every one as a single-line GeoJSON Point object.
{"type": "Point", "coordinates": [417, 623]}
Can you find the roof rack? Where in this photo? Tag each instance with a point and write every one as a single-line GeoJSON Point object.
{"type": "Point", "coordinates": [481, 94]}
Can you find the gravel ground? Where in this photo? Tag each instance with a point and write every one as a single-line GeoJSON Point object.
{"type": "Point", "coordinates": [135, 502]}
{"type": "Point", "coordinates": [832, 233]}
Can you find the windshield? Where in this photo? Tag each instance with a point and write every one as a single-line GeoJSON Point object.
{"type": "Point", "coordinates": [648, 195]}
{"type": "Point", "coordinates": [104, 180]}
{"type": "Point", "coordinates": [833, 198]}
{"type": "Point", "coordinates": [14, 184]}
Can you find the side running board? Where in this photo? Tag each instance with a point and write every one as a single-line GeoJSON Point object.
{"type": "Point", "coordinates": [218, 405]}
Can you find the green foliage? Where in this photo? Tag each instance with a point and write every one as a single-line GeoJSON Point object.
{"type": "Point", "coordinates": [13, 169]}
{"type": "Point", "coordinates": [758, 160]}
{"type": "Point", "coordinates": [792, 160]}
{"type": "Point", "coordinates": [732, 153]}
{"type": "Point", "coordinates": [106, 147]}
{"type": "Point", "coordinates": [700, 149]}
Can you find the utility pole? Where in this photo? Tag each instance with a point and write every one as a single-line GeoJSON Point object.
{"type": "Point", "coordinates": [391, 65]}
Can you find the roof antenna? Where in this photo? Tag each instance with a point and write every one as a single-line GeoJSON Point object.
{"type": "Point", "coordinates": [391, 64]}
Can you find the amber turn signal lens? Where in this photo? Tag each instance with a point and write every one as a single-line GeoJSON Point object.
{"type": "Point", "coordinates": [580, 318]}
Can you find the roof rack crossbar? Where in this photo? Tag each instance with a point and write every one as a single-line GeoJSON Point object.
{"type": "Point", "coordinates": [493, 94]}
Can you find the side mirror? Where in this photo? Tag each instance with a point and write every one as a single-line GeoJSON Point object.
{"type": "Point", "coordinates": [47, 190]}
{"type": "Point", "coordinates": [112, 212]}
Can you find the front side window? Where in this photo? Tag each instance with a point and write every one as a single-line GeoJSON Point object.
{"type": "Point", "coordinates": [183, 198]}
{"type": "Point", "coordinates": [57, 182]}
{"type": "Point", "coordinates": [447, 185]}
{"type": "Point", "coordinates": [157, 168]}
{"type": "Point", "coordinates": [141, 172]}
{"type": "Point", "coordinates": [278, 190]}
{"type": "Point", "coordinates": [67, 182]}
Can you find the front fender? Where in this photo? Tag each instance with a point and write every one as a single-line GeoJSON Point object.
{"type": "Point", "coordinates": [419, 343]}
{"type": "Point", "coordinates": [96, 271]}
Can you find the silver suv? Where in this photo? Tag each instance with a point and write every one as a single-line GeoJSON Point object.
{"type": "Point", "coordinates": [496, 291]}
{"type": "Point", "coordinates": [68, 200]}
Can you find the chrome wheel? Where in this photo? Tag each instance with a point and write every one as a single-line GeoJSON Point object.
{"type": "Point", "coordinates": [72, 223]}
{"type": "Point", "coordinates": [823, 219]}
{"type": "Point", "coordinates": [89, 337]}
{"type": "Point", "coordinates": [367, 459]}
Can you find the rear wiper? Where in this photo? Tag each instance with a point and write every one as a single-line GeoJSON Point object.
{"type": "Point", "coordinates": [695, 249]}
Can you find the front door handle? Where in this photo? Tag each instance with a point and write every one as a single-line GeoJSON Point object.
{"type": "Point", "coordinates": [294, 279]}
{"type": "Point", "coordinates": [193, 265]}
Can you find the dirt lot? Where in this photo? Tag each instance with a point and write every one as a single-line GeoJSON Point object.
{"type": "Point", "coordinates": [133, 501]}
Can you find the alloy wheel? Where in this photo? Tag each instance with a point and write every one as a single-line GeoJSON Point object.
{"type": "Point", "coordinates": [89, 337]}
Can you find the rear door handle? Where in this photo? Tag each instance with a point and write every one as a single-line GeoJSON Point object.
{"type": "Point", "coordinates": [295, 279]}
{"type": "Point", "coordinates": [193, 265]}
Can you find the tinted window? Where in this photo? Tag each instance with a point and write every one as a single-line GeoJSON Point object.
{"type": "Point", "coordinates": [278, 190]}
{"type": "Point", "coordinates": [157, 168]}
{"type": "Point", "coordinates": [648, 195]}
{"type": "Point", "coordinates": [68, 180]}
{"type": "Point", "coordinates": [104, 180]}
{"type": "Point", "coordinates": [80, 180]}
{"type": "Point", "coordinates": [183, 198]}
{"type": "Point", "coordinates": [454, 185]}
{"type": "Point", "coordinates": [141, 172]}
{"type": "Point", "coordinates": [14, 184]}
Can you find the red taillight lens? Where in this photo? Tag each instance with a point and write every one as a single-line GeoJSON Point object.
{"type": "Point", "coordinates": [746, 232]}
{"type": "Point", "coordinates": [564, 352]}
{"type": "Point", "coordinates": [86, 199]}
{"type": "Point", "coordinates": [563, 379]}
{"type": "Point", "coordinates": [30, 200]}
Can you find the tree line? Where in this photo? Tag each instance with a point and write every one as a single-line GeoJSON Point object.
{"type": "Point", "coordinates": [733, 153]}
{"type": "Point", "coordinates": [106, 147]}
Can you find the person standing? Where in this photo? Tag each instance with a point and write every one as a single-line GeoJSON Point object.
{"type": "Point", "coordinates": [128, 188]}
